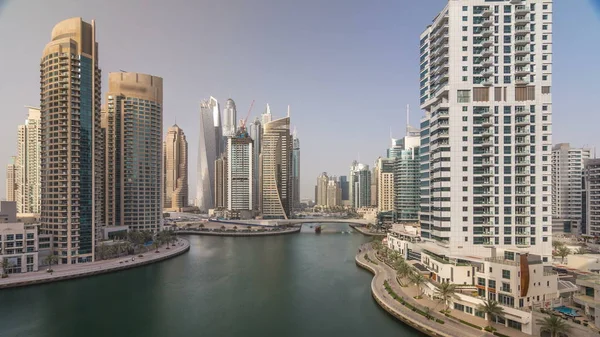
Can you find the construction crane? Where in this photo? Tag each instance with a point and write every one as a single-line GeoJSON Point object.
{"type": "Point", "coordinates": [243, 122]}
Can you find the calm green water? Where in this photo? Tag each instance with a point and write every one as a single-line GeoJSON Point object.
{"type": "Point", "coordinates": [293, 285]}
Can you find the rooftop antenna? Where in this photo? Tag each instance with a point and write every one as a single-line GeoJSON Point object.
{"type": "Point", "coordinates": [288, 110]}
{"type": "Point", "coordinates": [407, 119]}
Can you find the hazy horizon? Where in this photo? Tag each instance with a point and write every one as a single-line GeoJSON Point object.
{"type": "Point", "coordinates": [347, 68]}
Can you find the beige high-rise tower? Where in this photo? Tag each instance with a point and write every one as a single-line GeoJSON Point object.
{"type": "Point", "coordinates": [134, 151]}
{"type": "Point", "coordinates": [11, 179]}
{"type": "Point", "coordinates": [176, 169]}
{"type": "Point", "coordinates": [275, 169]}
{"type": "Point", "coordinates": [28, 163]}
{"type": "Point", "coordinates": [70, 129]}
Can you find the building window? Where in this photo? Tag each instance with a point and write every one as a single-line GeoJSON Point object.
{"type": "Point", "coordinates": [465, 28]}
{"type": "Point", "coordinates": [464, 96]}
{"type": "Point", "coordinates": [464, 58]}
{"type": "Point", "coordinates": [465, 18]}
{"type": "Point", "coordinates": [465, 78]}
{"type": "Point", "coordinates": [465, 48]}
{"type": "Point", "coordinates": [506, 274]}
{"type": "Point", "coordinates": [464, 38]}
{"type": "Point", "coordinates": [465, 68]}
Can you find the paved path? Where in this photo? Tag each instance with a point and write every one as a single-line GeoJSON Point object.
{"type": "Point", "coordinates": [67, 272]}
{"type": "Point", "coordinates": [382, 273]}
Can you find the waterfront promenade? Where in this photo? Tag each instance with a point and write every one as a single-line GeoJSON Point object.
{"type": "Point", "coordinates": [451, 326]}
{"type": "Point", "coordinates": [68, 272]}
{"type": "Point", "coordinates": [242, 232]}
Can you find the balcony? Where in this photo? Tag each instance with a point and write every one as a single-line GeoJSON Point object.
{"type": "Point", "coordinates": [487, 72]}
{"type": "Point", "coordinates": [487, 22]}
{"type": "Point", "coordinates": [487, 82]}
{"type": "Point", "coordinates": [521, 71]}
{"type": "Point", "coordinates": [487, 62]}
{"type": "Point", "coordinates": [521, 121]}
{"type": "Point", "coordinates": [487, 52]}
{"type": "Point", "coordinates": [522, 153]}
{"type": "Point", "coordinates": [521, 41]}
{"type": "Point", "coordinates": [487, 163]}
{"type": "Point", "coordinates": [521, 30]}
{"type": "Point", "coordinates": [521, 10]}
{"type": "Point", "coordinates": [521, 81]}
{"type": "Point", "coordinates": [522, 233]}
{"type": "Point", "coordinates": [521, 112]}
{"type": "Point", "coordinates": [487, 173]}
{"type": "Point", "coordinates": [521, 20]}
{"type": "Point", "coordinates": [522, 172]}
{"type": "Point", "coordinates": [522, 162]}
{"type": "Point", "coordinates": [486, 12]}
{"type": "Point", "coordinates": [523, 192]}
{"type": "Point", "coordinates": [486, 42]}
{"type": "Point", "coordinates": [522, 61]}
{"type": "Point", "coordinates": [522, 51]}
{"type": "Point", "coordinates": [522, 131]}
{"type": "Point", "coordinates": [486, 32]}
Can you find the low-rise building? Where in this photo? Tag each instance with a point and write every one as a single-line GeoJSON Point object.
{"type": "Point", "coordinates": [589, 296]}
{"type": "Point", "coordinates": [517, 280]}
{"type": "Point", "coordinates": [18, 241]}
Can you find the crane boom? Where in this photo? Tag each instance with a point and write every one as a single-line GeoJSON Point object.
{"type": "Point", "coordinates": [248, 115]}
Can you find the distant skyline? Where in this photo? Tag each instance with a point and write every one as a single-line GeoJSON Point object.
{"type": "Point", "coordinates": [347, 70]}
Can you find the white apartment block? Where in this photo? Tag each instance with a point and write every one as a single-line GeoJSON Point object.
{"type": "Point", "coordinates": [385, 184]}
{"type": "Point", "coordinates": [516, 279]}
{"type": "Point", "coordinates": [567, 187]}
{"type": "Point", "coordinates": [592, 197]}
{"type": "Point", "coordinates": [28, 163]}
{"type": "Point", "coordinates": [486, 138]}
{"type": "Point", "coordinates": [18, 241]}
{"type": "Point", "coordinates": [240, 174]}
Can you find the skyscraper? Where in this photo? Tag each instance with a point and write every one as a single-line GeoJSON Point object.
{"type": "Point", "coordinates": [208, 150]}
{"type": "Point", "coordinates": [28, 163]}
{"type": "Point", "coordinates": [240, 177]}
{"type": "Point", "coordinates": [374, 185]}
{"type": "Point", "coordinates": [405, 154]}
{"type": "Point", "coordinates": [70, 127]}
{"type": "Point", "coordinates": [567, 175]}
{"type": "Point", "coordinates": [486, 76]}
{"type": "Point", "coordinates": [229, 119]}
{"type": "Point", "coordinates": [295, 171]}
{"type": "Point", "coordinates": [592, 197]}
{"type": "Point", "coordinates": [135, 151]}
{"type": "Point", "coordinates": [266, 116]}
{"type": "Point", "coordinates": [360, 185]}
{"type": "Point", "coordinates": [256, 132]}
{"type": "Point", "coordinates": [334, 193]}
{"type": "Point", "coordinates": [176, 169]}
{"type": "Point", "coordinates": [345, 187]}
{"type": "Point", "coordinates": [11, 179]}
{"type": "Point", "coordinates": [385, 184]}
{"type": "Point", "coordinates": [322, 181]}
{"type": "Point", "coordinates": [275, 168]}
{"type": "Point", "coordinates": [221, 182]}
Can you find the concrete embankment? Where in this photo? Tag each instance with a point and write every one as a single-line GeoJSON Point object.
{"type": "Point", "coordinates": [70, 272]}
{"type": "Point", "coordinates": [239, 233]}
{"type": "Point", "coordinates": [364, 231]}
{"type": "Point", "coordinates": [385, 303]}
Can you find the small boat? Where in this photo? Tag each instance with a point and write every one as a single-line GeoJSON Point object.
{"type": "Point", "coordinates": [311, 226]}
{"type": "Point", "coordinates": [318, 229]}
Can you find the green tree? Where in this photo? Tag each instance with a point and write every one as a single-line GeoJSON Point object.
{"type": "Point", "coordinates": [554, 325]}
{"type": "Point", "coordinates": [557, 244]}
{"type": "Point", "coordinates": [5, 267]}
{"type": "Point", "coordinates": [418, 280]}
{"type": "Point", "coordinates": [403, 269]}
{"type": "Point", "coordinates": [563, 252]}
{"type": "Point", "coordinates": [235, 228]}
{"type": "Point", "coordinates": [156, 244]}
{"type": "Point", "coordinates": [491, 309]}
{"type": "Point", "coordinates": [445, 292]}
{"type": "Point", "coordinates": [51, 259]}
{"type": "Point", "coordinates": [377, 245]}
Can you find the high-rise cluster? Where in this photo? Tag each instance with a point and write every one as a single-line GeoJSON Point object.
{"type": "Point", "coordinates": [256, 170]}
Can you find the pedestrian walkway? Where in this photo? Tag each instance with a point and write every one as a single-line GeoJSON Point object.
{"type": "Point", "coordinates": [67, 272]}
{"type": "Point", "coordinates": [451, 326]}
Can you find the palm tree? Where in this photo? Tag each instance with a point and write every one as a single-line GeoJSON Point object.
{"type": "Point", "coordinates": [445, 292]}
{"type": "Point", "coordinates": [418, 280]}
{"type": "Point", "coordinates": [201, 225]}
{"type": "Point", "coordinates": [492, 309]}
{"type": "Point", "coordinates": [403, 269]}
{"type": "Point", "coordinates": [554, 325]}
{"type": "Point", "coordinates": [156, 244]}
{"type": "Point", "coordinates": [249, 227]}
{"type": "Point", "coordinates": [223, 227]}
{"type": "Point", "coordinates": [235, 228]}
{"type": "Point", "coordinates": [5, 265]}
{"type": "Point", "coordinates": [563, 252]}
{"type": "Point", "coordinates": [50, 260]}
{"type": "Point", "coordinates": [377, 245]}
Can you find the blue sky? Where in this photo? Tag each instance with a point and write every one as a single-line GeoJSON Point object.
{"type": "Point", "coordinates": [347, 68]}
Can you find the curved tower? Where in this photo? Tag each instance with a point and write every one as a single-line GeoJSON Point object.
{"type": "Point", "coordinates": [71, 143]}
{"type": "Point", "coordinates": [207, 154]}
{"type": "Point", "coordinates": [276, 169]}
